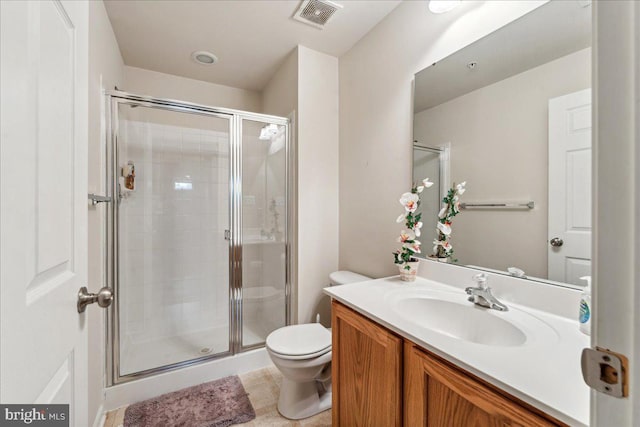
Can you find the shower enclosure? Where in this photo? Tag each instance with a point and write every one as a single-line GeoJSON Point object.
{"type": "Point", "coordinates": [432, 163]}
{"type": "Point", "coordinates": [197, 232]}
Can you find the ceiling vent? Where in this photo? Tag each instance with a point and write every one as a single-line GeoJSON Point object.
{"type": "Point", "coordinates": [316, 12]}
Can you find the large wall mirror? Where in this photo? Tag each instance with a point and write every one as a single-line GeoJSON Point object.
{"type": "Point", "coordinates": [511, 115]}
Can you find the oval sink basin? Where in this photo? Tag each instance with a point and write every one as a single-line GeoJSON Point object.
{"type": "Point", "coordinates": [466, 321]}
{"type": "Point", "coordinates": [469, 323]}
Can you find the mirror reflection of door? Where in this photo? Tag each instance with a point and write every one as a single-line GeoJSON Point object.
{"type": "Point", "coordinates": [495, 117]}
{"type": "Point", "coordinates": [570, 187]}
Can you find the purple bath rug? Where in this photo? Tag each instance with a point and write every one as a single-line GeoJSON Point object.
{"type": "Point", "coordinates": [217, 403]}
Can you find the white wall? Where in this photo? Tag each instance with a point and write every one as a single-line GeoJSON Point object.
{"type": "Point", "coordinates": [307, 83]}
{"type": "Point", "coordinates": [503, 162]}
{"type": "Point", "coordinates": [280, 95]}
{"type": "Point", "coordinates": [160, 85]}
{"type": "Point", "coordinates": [105, 71]}
{"type": "Point", "coordinates": [376, 117]}
{"type": "Point", "coordinates": [318, 135]}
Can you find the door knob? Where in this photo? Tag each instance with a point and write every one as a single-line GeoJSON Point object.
{"type": "Point", "coordinates": [556, 242]}
{"type": "Point", "coordinates": [104, 297]}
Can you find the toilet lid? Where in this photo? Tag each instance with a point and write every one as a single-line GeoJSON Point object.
{"type": "Point", "coordinates": [299, 340]}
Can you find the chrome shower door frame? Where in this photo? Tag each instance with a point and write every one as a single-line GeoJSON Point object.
{"type": "Point", "coordinates": [235, 117]}
{"type": "Point", "coordinates": [444, 154]}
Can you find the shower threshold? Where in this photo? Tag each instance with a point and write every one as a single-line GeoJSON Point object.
{"type": "Point", "coordinates": [150, 354]}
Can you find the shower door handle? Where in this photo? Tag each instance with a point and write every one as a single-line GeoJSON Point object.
{"type": "Point", "coordinates": [104, 297]}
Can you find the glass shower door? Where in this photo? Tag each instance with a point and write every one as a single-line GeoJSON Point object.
{"type": "Point", "coordinates": [427, 163]}
{"type": "Point", "coordinates": [264, 229]}
{"type": "Point", "coordinates": [172, 217]}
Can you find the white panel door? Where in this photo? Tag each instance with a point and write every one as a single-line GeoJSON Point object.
{"type": "Point", "coordinates": [570, 187]}
{"type": "Point", "coordinates": [43, 203]}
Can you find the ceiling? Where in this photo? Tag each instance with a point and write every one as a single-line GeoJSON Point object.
{"type": "Point", "coordinates": [549, 32]}
{"type": "Point", "coordinates": [250, 38]}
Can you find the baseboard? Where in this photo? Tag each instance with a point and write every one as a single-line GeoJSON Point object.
{"type": "Point", "coordinates": [100, 416]}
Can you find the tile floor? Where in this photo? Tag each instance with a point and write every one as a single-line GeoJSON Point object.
{"type": "Point", "coordinates": [263, 387]}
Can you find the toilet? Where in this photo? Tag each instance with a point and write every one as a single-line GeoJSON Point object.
{"type": "Point", "coordinates": [302, 353]}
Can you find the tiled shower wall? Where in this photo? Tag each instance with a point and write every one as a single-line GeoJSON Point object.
{"type": "Point", "coordinates": [174, 262]}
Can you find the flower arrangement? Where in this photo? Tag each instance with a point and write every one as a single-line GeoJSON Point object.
{"type": "Point", "coordinates": [408, 237]}
{"type": "Point", "coordinates": [442, 247]}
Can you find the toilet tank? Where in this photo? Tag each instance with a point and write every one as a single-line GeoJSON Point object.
{"type": "Point", "coordinates": [345, 277]}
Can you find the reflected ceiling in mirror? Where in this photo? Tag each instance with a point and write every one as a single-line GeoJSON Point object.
{"type": "Point", "coordinates": [511, 115]}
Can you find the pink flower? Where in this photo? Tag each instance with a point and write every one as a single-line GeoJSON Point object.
{"type": "Point", "coordinates": [410, 201]}
{"type": "Point", "coordinates": [406, 235]}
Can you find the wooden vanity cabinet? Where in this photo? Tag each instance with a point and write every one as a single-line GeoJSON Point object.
{"type": "Point", "coordinates": [366, 371]}
{"type": "Point", "coordinates": [438, 394]}
{"type": "Point", "coordinates": [381, 379]}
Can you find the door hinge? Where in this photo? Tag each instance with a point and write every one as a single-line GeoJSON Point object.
{"type": "Point", "coordinates": [227, 234]}
{"type": "Point", "coordinates": [606, 371]}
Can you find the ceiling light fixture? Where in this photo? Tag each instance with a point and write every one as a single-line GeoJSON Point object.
{"type": "Point", "coordinates": [204, 57]}
{"type": "Point", "coordinates": [443, 6]}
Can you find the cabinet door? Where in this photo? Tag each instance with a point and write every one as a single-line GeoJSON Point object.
{"type": "Point", "coordinates": [366, 370]}
{"type": "Point", "coordinates": [439, 395]}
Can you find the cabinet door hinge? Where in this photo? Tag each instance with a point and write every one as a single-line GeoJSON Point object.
{"type": "Point", "coordinates": [606, 371]}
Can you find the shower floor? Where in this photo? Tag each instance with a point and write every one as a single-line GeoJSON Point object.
{"type": "Point", "coordinates": [137, 357]}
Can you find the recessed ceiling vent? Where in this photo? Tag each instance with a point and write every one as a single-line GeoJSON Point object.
{"type": "Point", "coordinates": [316, 12]}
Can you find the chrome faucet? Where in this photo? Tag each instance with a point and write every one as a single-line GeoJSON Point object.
{"type": "Point", "coordinates": [481, 294]}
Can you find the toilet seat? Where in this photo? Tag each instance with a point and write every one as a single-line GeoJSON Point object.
{"type": "Point", "coordinates": [301, 356]}
{"type": "Point", "coordinates": [300, 341]}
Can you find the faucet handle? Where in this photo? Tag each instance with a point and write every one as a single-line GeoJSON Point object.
{"type": "Point", "coordinates": [481, 279]}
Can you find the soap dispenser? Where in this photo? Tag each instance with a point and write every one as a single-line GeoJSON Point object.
{"type": "Point", "coordinates": [585, 307]}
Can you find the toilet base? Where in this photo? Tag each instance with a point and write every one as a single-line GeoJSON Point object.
{"type": "Point", "coordinates": [303, 399]}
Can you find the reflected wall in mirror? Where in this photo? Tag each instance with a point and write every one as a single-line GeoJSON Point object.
{"type": "Point", "coordinates": [511, 115]}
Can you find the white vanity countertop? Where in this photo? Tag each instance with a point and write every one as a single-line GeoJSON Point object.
{"type": "Point", "coordinates": [545, 373]}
